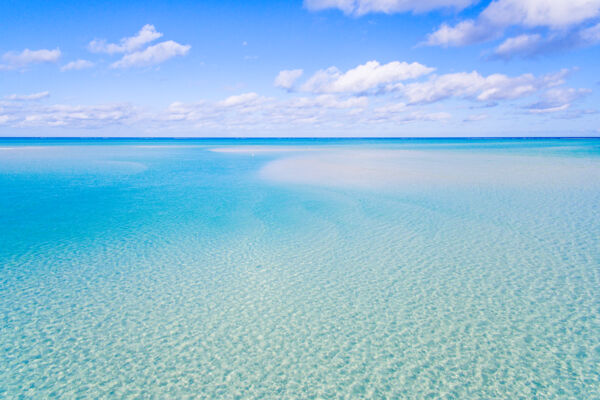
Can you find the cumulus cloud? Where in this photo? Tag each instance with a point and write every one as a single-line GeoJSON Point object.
{"type": "Point", "coordinates": [474, 86]}
{"type": "Point", "coordinates": [286, 78]}
{"type": "Point", "coordinates": [240, 112]}
{"type": "Point", "coordinates": [250, 110]}
{"type": "Point", "coordinates": [528, 14]}
{"type": "Point", "coordinates": [370, 95]}
{"type": "Point", "coordinates": [152, 55]}
{"type": "Point", "coordinates": [362, 7]}
{"type": "Point", "coordinates": [77, 65]}
{"type": "Point", "coordinates": [531, 45]}
{"type": "Point", "coordinates": [14, 60]}
{"type": "Point", "coordinates": [367, 77]}
{"type": "Point", "coordinates": [25, 97]}
{"type": "Point", "coordinates": [146, 35]}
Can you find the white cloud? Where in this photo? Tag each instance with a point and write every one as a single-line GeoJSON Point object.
{"type": "Point", "coordinates": [556, 14]}
{"type": "Point", "coordinates": [77, 65]}
{"type": "Point", "coordinates": [500, 14]}
{"type": "Point", "coordinates": [347, 6]}
{"type": "Point", "coordinates": [5, 119]}
{"type": "Point", "coordinates": [366, 97]}
{"type": "Point", "coordinates": [19, 114]}
{"type": "Point", "coordinates": [286, 78]}
{"type": "Point", "coordinates": [239, 100]}
{"type": "Point", "coordinates": [146, 35]}
{"type": "Point", "coordinates": [425, 116]}
{"type": "Point", "coordinates": [318, 112]}
{"type": "Point", "coordinates": [465, 32]}
{"type": "Point", "coordinates": [522, 44]}
{"type": "Point", "coordinates": [474, 86]}
{"type": "Point", "coordinates": [33, 96]}
{"type": "Point", "coordinates": [557, 99]}
{"type": "Point", "coordinates": [547, 110]}
{"type": "Point", "coordinates": [152, 55]}
{"type": "Point", "coordinates": [531, 45]}
{"type": "Point", "coordinates": [370, 76]}
{"type": "Point", "coordinates": [15, 60]}
{"type": "Point", "coordinates": [361, 7]}
{"type": "Point", "coordinates": [135, 53]}
{"type": "Point", "coordinates": [592, 34]}
{"type": "Point", "coordinates": [329, 101]}
{"type": "Point", "coordinates": [251, 111]}
{"type": "Point", "coordinates": [76, 116]}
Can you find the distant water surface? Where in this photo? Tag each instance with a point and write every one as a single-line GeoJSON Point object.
{"type": "Point", "coordinates": [306, 268]}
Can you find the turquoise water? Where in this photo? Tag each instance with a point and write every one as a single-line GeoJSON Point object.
{"type": "Point", "coordinates": [300, 268]}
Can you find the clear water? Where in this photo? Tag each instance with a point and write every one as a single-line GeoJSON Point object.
{"type": "Point", "coordinates": [300, 269]}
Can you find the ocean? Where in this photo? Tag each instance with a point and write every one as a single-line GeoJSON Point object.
{"type": "Point", "coordinates": [300, 268]}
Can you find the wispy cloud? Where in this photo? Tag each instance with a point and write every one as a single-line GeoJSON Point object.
{"type": "Point", "coordinates": [532, 45]}
{"type": "Point", "coordinates": [146, 35]}
{"type": "Point", "coordinates": [77, 116]}
{"type": "Point", "coordinates": [137, 52]}
{"type": "Point", "coordinates": [556, 99]}
{"type": "Point", "coordinates": [528, 45]}
{"type": "Point", "coordinates": [463, 33]}
{"type": "Point", "coordinates": [476, 117]}
{"type": "Point", "coordinates": [474, 86]}
{"type": "Point", "coordinates": [152, 55]}
{"type": "Point", "coordinates": [362, 7]}
{"type": "Point", "coordinates": [77, 65]}
{"type": "Point", "coordinates": [22, 97]}
{"type": "Point", "coordinates": [564, 20]}
{"type": "Point", "coordinates": [15, 60]}
{"type": "Point", "coordinates": [591, 34]}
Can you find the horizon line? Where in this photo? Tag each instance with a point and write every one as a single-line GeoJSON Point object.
{"type": "Point", "coordinates": [286, 137]}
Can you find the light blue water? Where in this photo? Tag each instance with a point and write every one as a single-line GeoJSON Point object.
{"type": "Point", "coordinates": [300, 269]}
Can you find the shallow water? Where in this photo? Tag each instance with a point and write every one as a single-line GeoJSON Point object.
{"type": "Point", "coordinates": [300, 268]}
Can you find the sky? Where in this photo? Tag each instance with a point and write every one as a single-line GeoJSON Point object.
{"type": "Point", "coordinates": [312, 68]}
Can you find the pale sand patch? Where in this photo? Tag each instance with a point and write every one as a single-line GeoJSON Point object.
{"type": "Point", "coordinates": [23, 148]}
{"type": "Point", "coordinates": [389, 168]}
{"type": "Point", "coordinates": [164, 146]}
{"type": "Point", "coordinates": [265, 149]}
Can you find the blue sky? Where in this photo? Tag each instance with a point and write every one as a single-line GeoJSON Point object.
{"type": "Point", "coordinates": [312, 68]}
